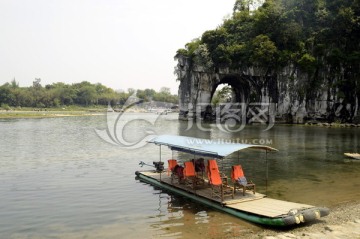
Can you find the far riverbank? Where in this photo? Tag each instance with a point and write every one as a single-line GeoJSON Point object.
{"type": "Point", "coordinates": [46, 114]}
{"type": "Point", "coordinates": [19, 113]}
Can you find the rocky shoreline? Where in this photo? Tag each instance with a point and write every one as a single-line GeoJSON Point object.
{"type": "Point", "coordinates": [341, 125]}
{"type": "Point", "coordinates": [343, 222]}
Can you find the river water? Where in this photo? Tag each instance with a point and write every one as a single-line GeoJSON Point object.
{"type": "Point", "coordinates": [60, 179]}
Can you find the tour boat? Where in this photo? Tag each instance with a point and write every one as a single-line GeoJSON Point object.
{"type": "Point", "coordinates": [219, 192]}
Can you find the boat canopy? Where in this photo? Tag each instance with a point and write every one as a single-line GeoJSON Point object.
{"type": "Point", "coordinates": [215, 148]}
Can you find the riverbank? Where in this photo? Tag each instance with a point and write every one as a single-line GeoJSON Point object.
{"type": "Point", "coordinates": [343, 223]}
{"type": "Point", "coordinates": [74, 111]}
{"type": "Point", "coordinates": [44, 114]}
{"type": "Point", "coordinates": [18, 113]}
{"type": "Point", "coordinates": [329, 125]}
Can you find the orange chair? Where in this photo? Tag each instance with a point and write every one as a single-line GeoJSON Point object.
{"type": "Point", "coordinates": [219, 189]}
{"type": "Point", "coordinates": [211, 164]}
{"type": "Point", "coordinates": [239, 179]}
{"type": "Point", "coordinates": [190, 176]}
{"type": "Point", "coordinates": [171, 166]}
{"type": "Point", "coordinates": [172, 163]}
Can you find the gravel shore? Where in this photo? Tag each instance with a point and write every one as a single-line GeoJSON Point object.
{"type": "Point", "coordinates": [343, 222]}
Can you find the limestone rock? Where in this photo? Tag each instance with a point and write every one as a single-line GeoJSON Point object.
{"type": "Point", "coordinates": [286, 94]}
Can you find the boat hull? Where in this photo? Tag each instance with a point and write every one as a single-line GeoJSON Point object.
{"type": "Point", "coordinates": [297, 217]}
{"type": "Point", "coordinates": [353, 155]}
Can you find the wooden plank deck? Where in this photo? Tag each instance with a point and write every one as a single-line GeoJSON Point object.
{"type": "Point", "coordinates": [269, 207]}
{"type": "Point", "coordinates": [253, 203]}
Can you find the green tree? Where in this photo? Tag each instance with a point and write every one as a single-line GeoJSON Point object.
{"type": "Point", "coordinates": [202, 57]}
{"type": "Point", "coordinates": [37, 83]}
{"type": "Point", "coordinates": [223, 95]}
{"type": "Point", "coordinates": [246, 5]}
{"type": "Point", "coordinates": [213, 38]}
{"type": "Point", "coordinates": [263, 50]}
{"type": "Point", "coordinates": [14, 84]}
{"type": "Point", "coordinates": [190, 48]}
{"type": "Point", "coordinates": [307, 63]}
{"type": "Point", "coordinates": [65, 93]}
{"type": "Point", "coordinates": [105, 95]}
{"type": "Point", "coordinates": [85, 93]}
{"type": "Point", "coordinates": [165, 96]}
{"type": "Point", "coordinates": [146, 94]}
{"type": "Point", "coordinates": [23, 97]}
{"type": "Point", "coordinates": [38, 93]}
{"type": "Point", "coordinates": [6, 95]}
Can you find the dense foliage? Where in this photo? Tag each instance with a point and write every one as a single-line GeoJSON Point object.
{"type": "Point", "coordinates": [84, 93]}
{"type": "Point", "coordinates": [312, 35]}
{"type": "Point", "coordinates": [223, 95]}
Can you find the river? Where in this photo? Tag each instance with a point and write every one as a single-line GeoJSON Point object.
{"type": "Point", "coordinates": [65, 178]}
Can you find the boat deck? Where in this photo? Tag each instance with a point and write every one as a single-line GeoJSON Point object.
{"type": "Point", "coordinates": [256, 203]}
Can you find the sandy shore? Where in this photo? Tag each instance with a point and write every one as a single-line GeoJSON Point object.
{"type": "Point", "coordinates": [343, 222]}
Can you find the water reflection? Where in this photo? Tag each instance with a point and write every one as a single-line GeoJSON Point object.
{"type": "Point", "coordinates": [179, 217]}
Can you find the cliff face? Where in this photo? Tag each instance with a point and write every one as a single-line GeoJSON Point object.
{"type": "Point", "coordinates": [288, 95]}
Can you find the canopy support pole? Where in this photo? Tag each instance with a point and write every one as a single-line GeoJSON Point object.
{"type": "Point", "coordinates": [160, 161]}
{"type": "Point", "coordinates": [267, 171]}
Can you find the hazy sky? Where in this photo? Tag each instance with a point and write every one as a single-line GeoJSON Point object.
{"type": "Point", "coordinates": [119, 43]}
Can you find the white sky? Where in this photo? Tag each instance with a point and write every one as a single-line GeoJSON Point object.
{"type": "Point", "coordinates": [119, 43]}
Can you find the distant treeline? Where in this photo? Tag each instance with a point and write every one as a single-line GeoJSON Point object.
{"type": "Point", "coordinates": [84, 94]}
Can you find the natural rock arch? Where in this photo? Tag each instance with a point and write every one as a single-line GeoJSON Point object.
{"type": "Point", "coordinates": [241, 88]}
{"type": "Point", "coordinates": [283, 92]}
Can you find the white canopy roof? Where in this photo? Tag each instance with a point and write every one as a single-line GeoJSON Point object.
{"type": "Point", "coordinates": [205, 147]}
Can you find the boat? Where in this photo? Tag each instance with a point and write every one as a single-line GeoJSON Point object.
{"type": "Point", "coordinates": [353, 155]}
{"type": "Point", "coordinates": [251, 206]}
